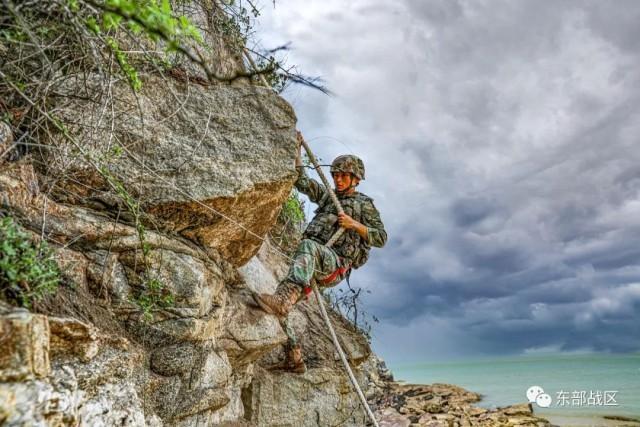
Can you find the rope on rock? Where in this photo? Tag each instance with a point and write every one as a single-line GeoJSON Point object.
{"type": "Point", "coordinates": [330, 243]}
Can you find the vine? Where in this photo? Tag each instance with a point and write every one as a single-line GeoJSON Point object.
{"type": "Point", "coordinates": [151, 294]}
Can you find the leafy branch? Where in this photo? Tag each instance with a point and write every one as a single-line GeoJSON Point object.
{"type": "Point", "coordinates": [28, 271]}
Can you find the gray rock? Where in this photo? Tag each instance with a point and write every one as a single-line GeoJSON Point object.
{"type": "Point", "coordinates": [257, 276]}
{"type": "Point", "coordinates": [250, 333]}
{"type": "Point", "coordinates": [107, 276]}
{"type": "Point", "coordinates": [201, 400]}
{"type": "Point", "coordinates": [205, 150]}
{"type": "Point", "coordinates": [223, 57]}
{"type": "Point", "coordinates": [165, 328]}
{"type": "Point", "coordinates": [71, 337]}
{"type": "Point", "coordinates": [519, 409]}
{"type": "Point", "coordinates": [194, 283]}
{"type": "Point", "coordinates": [320, 397]}
{"type": "Point", "coordinates": [39, 402]}
{"type": "Point", "coordinates": [215, 370]}
{"type": "Point", "coordinates": [113, 404]}
{"type": "Point", "coordinates": [173, 360]}
{"type": "Point", "coordinates": [76, 394]}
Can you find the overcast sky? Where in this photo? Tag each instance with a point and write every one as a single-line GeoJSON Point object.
{"type": "Point", "coordinates": [501, 146]}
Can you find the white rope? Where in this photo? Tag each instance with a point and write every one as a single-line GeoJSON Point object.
{"type": "Point", "coordinates": [335, 237]}
{"type": "Point", "coordinates": [338, 233]}
{"type": "Point", "coordinates": [332, 195]}
{"type": "Point", "coordinates": [356, 386]}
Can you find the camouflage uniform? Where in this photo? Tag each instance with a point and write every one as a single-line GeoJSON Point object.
{"type": "Point", "coordinates": [329, 266]}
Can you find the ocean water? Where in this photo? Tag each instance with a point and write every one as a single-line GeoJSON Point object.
{"type": "Point", "coordinates": [573, 382]}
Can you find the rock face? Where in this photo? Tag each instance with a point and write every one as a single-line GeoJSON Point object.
{"type": "Point", "coordinates": [92, 358]}
{"type": "Point", "coordinates": [156, 204]}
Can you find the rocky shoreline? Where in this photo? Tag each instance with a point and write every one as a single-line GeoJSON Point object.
{"type": "Point", "coordinates": [446, 405]}
{"type": "Point", "coordinates": [397, 404]}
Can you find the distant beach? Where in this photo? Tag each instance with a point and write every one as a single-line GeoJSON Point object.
{"type": "Point", "coordinates": [576, 383]}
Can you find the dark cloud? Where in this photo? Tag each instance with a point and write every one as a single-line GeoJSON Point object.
{"type": "Point", "coordinates": [469, 211]}
{"type": "Point", "coordinates": [500, 140]}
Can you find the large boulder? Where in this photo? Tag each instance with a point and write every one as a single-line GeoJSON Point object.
{"type": "Point", "coordinates": [320, 397]}
{"type": "Point", "coordinates": [213, 164]}
{"type": "Point", "coordinates": [196, 285]}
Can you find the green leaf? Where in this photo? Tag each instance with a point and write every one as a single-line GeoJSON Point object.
{"type": "Point", "coordinates": [111, 20]}
{"type": "Point", "coordinates": [73, 5]}
{"type": "Point", "coordinates": [92, 24]}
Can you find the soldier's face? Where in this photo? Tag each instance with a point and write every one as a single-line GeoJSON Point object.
{"type": "Point", "coordinates": [343, 180]}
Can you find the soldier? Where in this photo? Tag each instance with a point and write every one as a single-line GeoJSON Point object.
{"type": "Point", "coordinates": [314, 261]}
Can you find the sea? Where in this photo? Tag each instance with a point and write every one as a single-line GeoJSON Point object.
{"type": "Point", "coordinates": [582, 387]}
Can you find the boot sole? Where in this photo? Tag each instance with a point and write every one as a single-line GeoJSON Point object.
{"type": "Point", "coordinates": [285, 367]}
{"type": "Point", "coordinates": [299, 369]}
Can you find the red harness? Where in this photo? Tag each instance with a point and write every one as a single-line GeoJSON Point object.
{"type": "Point", "coordinates": [330, 278]}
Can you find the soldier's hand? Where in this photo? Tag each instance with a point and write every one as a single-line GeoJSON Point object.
{"type": "Point", "coordinates": [347, 222]}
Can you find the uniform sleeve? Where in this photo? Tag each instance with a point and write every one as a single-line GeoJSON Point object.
{"type": "Point", "coordinates": [309, 186]}
{"type": "Point", "coordinates": [376, 233]}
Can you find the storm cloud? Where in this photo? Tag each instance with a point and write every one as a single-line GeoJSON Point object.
{"type": "Point", "coordinates": [501, 145]}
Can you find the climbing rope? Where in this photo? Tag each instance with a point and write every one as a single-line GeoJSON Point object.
{"type": "Point", "coordinates": [330, 243]}
{"type": "Point", "coordinates": [335, 237]}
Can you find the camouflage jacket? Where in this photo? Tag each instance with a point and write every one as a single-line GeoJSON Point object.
{"type": "Point", "coordinates": [350, 246]}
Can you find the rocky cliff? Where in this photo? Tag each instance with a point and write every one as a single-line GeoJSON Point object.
{"type": "Point", "coordinates": [157, 203]}
{"type": "Point", "coordinates": [91, 356]}
{"type": "Point", "coordinates": [212, 177]}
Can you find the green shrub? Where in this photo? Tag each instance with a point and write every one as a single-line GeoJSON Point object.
{"type": "Point", "coordinates": [292, 209]}
{"type": "Point", "coordinates": [287, 231]}
{"type": "Point", "coordinates": [152, 296]}
{"type": "Point", "coordinates": [28, 271]}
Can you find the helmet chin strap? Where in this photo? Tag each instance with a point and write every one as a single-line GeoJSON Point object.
{"type": "Point", "coordinates": [347, 190]}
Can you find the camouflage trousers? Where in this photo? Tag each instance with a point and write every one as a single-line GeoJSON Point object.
{"type": "Point", "coordinates": [313, 262]}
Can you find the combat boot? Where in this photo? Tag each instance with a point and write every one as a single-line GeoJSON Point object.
{"type": "Point", "coordinates": [280, 303]}
{"type": "Point", "coordinates": [295, 362]}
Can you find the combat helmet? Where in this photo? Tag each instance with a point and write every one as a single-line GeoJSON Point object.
{"type": "Point", "coordinates": [350, 164]}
